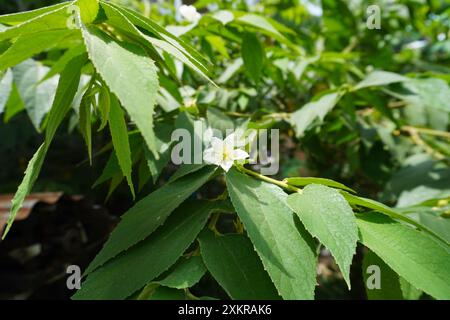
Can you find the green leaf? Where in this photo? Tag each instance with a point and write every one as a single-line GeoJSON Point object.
{"type": "Point", "coordinates": [152, 27]}
{"type": "Point", "coordinates": [59, 65]}
{"type": "Point", "coordinates": [164, 293]}
{"type": "Point", "coordinates": [409, 292]}
{"type": "Point", "coordinates": [418, 258]}
{"type": "Point", "coordinates": [303, 181]}
{"type": "Point", "coordinates": [119, 134]}
{"type": "Point", "coordinates": [230, 70]}
{"type": "Point", "coordinates": [224, 16]}
{"type": "Point", "coordinates": [50, 20]}
{"type": "Point", "coordinates": [142, 263]}
{"type": "Point", "coordinates": [318, 109]}
{"type": "Point", "coordinates": [184, 170]}
{"type": "Point", "coordinates": [184, 274]}
{"type": "Point", "coordinates": [104, 104]}
{"type": "Point", "coordinates": [232, 261]}
{"type": "Point", "coordinates": [261, 23]}
{"type": "Point", "coordinates": [196, 127]}
{"type": "Point", "coordinates": [327, 216]}
{"type": "Point", "coordinates": [418, 180]}
{"type": "Point", "coordinates": [143, 173]}
{"type": "Point", "coordinates": [20, 17]}
{"type": "Point", "coordinates": [27, 46]}
{"type": "Point", "coordinates": [130, 74]}
{"type": "Point", "coordinates": [284, 251]}
{"type": "Point", "coordinates": [149, 213]}
{"type": "Point", "coordinates": [433, 93]}
{"type": "Point", "coordinates": [156, 166]}
{"type": "Point", "coordinates": [37, 96]}
{"type": "Point", "coordinates": [153, 291]}
{"type": "Point", "coordinates": [253, 56]}
{"type": "Point", "coordinates": [112, 167]}
{"type": "Point", "coordinates": [163, 142]}
{"type": "Point", "coordinates": [31, 174]}
{"type": "Point", "coordinates": [437, 223]}
{"type": "Point", "coordinates": [85, 125]}
{"type": "Point", "coordinates": [88, 10]}
{"type": "Point", "coordinates": [382, 208]}
{"type": "Point", "coordinates": [67, 87]}
{"type": "Point", "coordinates": [65, 93]}
{"type": "Point", "coordinates": [219, 120]}
{"type": "Point", "coordinates": [14, 104]}
{"type": "Point", "coordinates": [120, 19]}
{"type": "Point", "coordinates": [379, 78]}
{"type": "Point", "coordinates": [6, 86]}
{"type": "Point", "coordinates": [389, 281]}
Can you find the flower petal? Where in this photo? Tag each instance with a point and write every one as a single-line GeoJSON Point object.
{"type": "Point", "coordinates": [226, 165]}
{"type": "Point", "coordinates": [240, 137]}
{"type": "Point", "coordinates": [217, 144]}
{"type": "Point", "coordinates": [207, 135]}
{"type": "Point", "coordinates": [210, 156]}
{"type": "Point", "coordinates": [230, 141]}
{"type": "Point", "coordinates": [239, 154]}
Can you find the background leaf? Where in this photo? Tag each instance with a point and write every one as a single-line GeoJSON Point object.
{"type": "Point", "coordinates": [379, 78]}
{"type": "Point", "coordinates": [37, 97]}
{"type": "Point", "coordinates": [305, 116]}
{"type": "Point", "coordinates": [253, 56]}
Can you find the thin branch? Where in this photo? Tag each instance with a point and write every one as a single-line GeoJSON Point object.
{"type": "Point", "coordinates": [279, 183]}
{"type": "Point", "coordinates": [430, 132]}
{"type": "Point", "coordinates": [415, 136]}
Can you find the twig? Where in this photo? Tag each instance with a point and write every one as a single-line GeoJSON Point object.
{"type": "Point", "coordinates": [413, 132]}
{"type": "Point", "coordinates": [430, 132]}
{"type": "Point", "coordinates": [279, 183]}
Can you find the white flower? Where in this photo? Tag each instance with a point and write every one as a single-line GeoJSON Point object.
{"type": "Point", "coordinates": [189, 13]}
{"type": "Point", "coordinates": [223, 153]}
